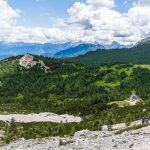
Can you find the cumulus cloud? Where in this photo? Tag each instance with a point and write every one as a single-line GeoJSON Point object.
{"type": "Point", "coordinates": [101, 22]}
{"type": "Point", "coordinates": [7, 14]}
{"type": "Point", "coordinates": [139, 19]}
{"type": "Point", "coordinates": [144, 2]}
{"type": "Point", "coordinates": [101, 3]}
{"type": "Point", "coordinates": [93, 20]}
{"type": "Point", "coordinates": [10, 32]}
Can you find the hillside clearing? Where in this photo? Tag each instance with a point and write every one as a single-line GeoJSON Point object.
{"type": "Point", "coordinates": [120, 103]}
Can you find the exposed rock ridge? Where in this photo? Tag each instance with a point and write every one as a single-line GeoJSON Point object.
{"type": "Point", "coordinates": [27, 61]}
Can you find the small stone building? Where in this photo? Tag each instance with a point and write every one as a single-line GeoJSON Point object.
{"type": "Point", "coordinates": [134, 99]}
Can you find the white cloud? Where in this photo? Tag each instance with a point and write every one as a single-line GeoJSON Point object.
{"type": "Point", "coordinates": [101, 3]}
{"type": "Point", "coordinates": [139, 19]}
{"type": "Point", "coordinates": [10, 32]}
{"type": "Point", "coordinates": [94, 20]}
{"type": "Point", "coordinates": [144, 2]}
{"type": "Point", "coordinates": [101, 22]}
{"type": "Point", "coordinates": [7, 14]}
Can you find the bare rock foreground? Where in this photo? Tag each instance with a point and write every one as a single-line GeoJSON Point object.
{"type": "Point", "coordinates": [89, 140]}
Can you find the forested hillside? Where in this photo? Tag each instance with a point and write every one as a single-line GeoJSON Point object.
{"type": "Point", "coordinates": [69, 87]}
{"type": "Point", "coordinates": [139, 54]}
{"type": "Point", "coordinates": [89, 91]}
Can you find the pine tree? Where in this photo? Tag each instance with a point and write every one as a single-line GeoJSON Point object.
{"type": "Point", "coordinates": [97, 125]}
{"type": "Point", "coordinates": [11, 131]}
{"type": "Point", "coordinates": [60, 129]}
{"type": "Point", "coordinates": [110, 120]}
{"type": "Point", "coordinates": [128, 120]}
{"type": "Point", "coordinates": [49, 130]}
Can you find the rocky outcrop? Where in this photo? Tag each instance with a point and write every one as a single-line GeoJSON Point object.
{"type": "Point", "coordinates": [27, 61]}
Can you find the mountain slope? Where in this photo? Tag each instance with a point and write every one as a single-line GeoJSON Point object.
{"type": "Point", "coordinates": [116, 45]}
{"type": "Point", "coordinates": [78, 50]}
{"type": "Point", "coordinates": [33, 84]}
{"type": "Point", "coordinates": [84, 48]}
{"type": "Point", "coordinates": [42, 84]}
{"type": "Point", "coordinates": [47, 49]}
{"type": "Point", "coordinates": [144, 41]}
{"type": "Point", "coordinates": [138, 54]}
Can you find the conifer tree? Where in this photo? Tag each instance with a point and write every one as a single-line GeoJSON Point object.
{"type": "Point", "coordinates": [128, 120]}
{"type": "Point", "coordinates": [11, 131]}
{"type": "Point", "coordinates": [110, 120]}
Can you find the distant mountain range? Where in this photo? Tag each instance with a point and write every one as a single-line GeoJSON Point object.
{"type": "Point", "coordinates": [48, 49]}
{"type": "Point", "coordinates": [116, 45]}
{"type": "Point", "coordinates": [78, 50]}
{"type": "Point", "coordinates": [83, 48]}
{"type": "Point", "coordinates": [62, 50]}
{"type": "Point", "coordinates": [139, 54]}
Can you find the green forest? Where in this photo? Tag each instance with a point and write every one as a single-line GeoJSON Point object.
{"type": "Point", "coordinates": [72, 88]}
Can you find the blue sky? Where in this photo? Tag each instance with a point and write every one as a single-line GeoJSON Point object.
{"type": "Point", "coordinates": [59, 21]}
{"type": "Point", "coordinates": [42, 12]}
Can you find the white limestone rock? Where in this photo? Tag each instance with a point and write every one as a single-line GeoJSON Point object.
{"type": "Point", "coordinates": [27, 61]}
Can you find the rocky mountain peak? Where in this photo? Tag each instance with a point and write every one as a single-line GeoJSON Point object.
{"type": "Point", "coordinates": [27, 61]}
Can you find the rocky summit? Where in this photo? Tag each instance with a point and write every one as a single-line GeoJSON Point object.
{"type": "Point", "coordinates": [27, 61]}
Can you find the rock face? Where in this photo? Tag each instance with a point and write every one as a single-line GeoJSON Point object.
{"type": "Point", "coordinates": [89, 140]}
{"type": "Point", "coordinates": [27, 61]}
